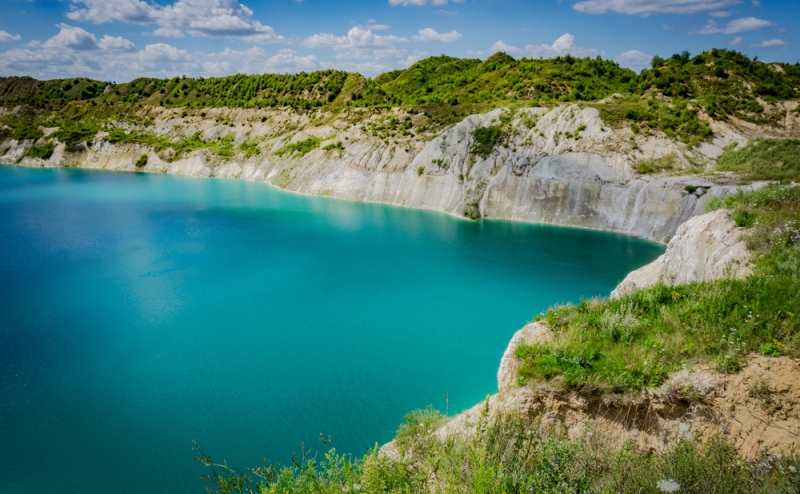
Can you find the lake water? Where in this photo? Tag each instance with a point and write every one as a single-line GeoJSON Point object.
{"type": "Point", "coordinates": [141, 312]}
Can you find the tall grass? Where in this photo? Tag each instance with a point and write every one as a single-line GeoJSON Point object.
{"type": "Point", "coordinates": [505, 455]}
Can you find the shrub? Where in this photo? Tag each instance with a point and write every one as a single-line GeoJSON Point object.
{"type": "Point", "coordinates": [43, 151]}
{"type": "Point", "coordinates": [485, 139]}
{"type": "Point", "coordinates": [656, 165]}
{"type": "Point", "coordinates": [300, 148]}
{"type": "Point", "coordinates": [142, 161]}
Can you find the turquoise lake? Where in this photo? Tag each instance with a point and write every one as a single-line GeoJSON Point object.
{"type": "Point", "coordinates": [141, 312]}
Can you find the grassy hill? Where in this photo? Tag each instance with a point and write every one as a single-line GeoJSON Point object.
{"type": "Point", "coordinates": [672, 97]}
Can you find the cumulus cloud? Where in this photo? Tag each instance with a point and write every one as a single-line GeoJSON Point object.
{"type": "Point", "coordinates": [6, 36]}
{"type": "Point", "coordinates": [430, 35]}
{"type": "Point", "coordinates": [288, 61]}
{"type": "Point", "coordinates": [634, 60]}
{"type": "Point", "coordinates": [166, 32]}
{"type": "Point", "coordinates": [414, 58]}
{"type": "Point", "coordinates": [648, 7]}
{"type": "Point", "coordinates": [406, 3]}
{"type": "Point", "coordinates": [771, 43]}
{"type": "Point", "coordinates": [76, 52]}
{"type": "Point", "coordinates": [368, 68]}
{"type": "Point", "coordinates": [210, 18]}
{"type": "Point", "coordinates": [736, 26]}
{"type": "Point", "coordinates": [359, 37]}
{"type": "Point", "coordinates": [564, 45]}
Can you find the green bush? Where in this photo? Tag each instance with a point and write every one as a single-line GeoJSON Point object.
{"type": "Point", "coordinates": [485, 139]}
{"type": "Point", "coordinates": [300, 148]}
{"type": "Point", "coordinates": [142, 161]}
{"type": "Point", "coordinates": [43, 151]}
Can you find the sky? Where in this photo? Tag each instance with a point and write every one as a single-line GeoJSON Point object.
{"type": "Point", "coordinates": [119, 40]}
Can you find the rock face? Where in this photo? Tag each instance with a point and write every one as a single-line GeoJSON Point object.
{"type": "Point", "coordinates": [558, 166]}
{"type": "Point", "coordinates": [705, 248]}
{"type": "Point", "coordinates": [531, 334]}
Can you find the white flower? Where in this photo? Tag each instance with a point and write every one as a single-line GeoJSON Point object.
{"type": "Point", "coordinates": [668, 485]}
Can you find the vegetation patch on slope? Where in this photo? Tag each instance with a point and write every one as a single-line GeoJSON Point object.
{"type": "Point", "coordinates": [505, 455]}
{"type": "Point", "coordinates": [638, 340]}
{"type": "Point", "coordinates": [763, 159]}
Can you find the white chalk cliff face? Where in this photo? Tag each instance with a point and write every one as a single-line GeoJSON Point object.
{"type": "Point", "coordinates": [705, 248]}
{"type": "Point", "coordinates": [560, 166]}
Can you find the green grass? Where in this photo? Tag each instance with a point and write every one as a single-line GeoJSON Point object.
{"type": "Point", "coordinates": [638, 340]}
{"type": "Point", "coordinates": [300, 148]}
{"type": "Point", "coordinates": [506, 456]}
{"type": "Point", "coordinates": [656, 165]}
{"type": "Point", "coordinates": [222, 147]}
{"type": "Point", "coordinates": [763, 159]}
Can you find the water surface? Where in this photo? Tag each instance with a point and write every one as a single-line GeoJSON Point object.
{"type": "Point", "coordinates": [141, 312]}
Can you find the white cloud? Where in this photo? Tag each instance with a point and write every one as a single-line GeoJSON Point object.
{"type": "Point", "coordinates": [634, 60]}
{"type": "Point", "coordinates": [76, 52]}
{"type": "Point", "coordinates": [736, 41]}
{"type": "Point", "coordinates": [166, 32]}
{"type": "Point", "coordinates": [288, 61]}
{"type": "Point", "coordinates": [70, 37]}
{"type": "Point", "coordinates": [498, 46]}
{"type": "Point", "coordinates": [564, 45]}
{"type": "Point", "coordinates": [369, 68]}
{"type": "Point", "coordinates": [359, 37]}
{"type": "Point", "coordinates": [648, 7]}
{"type": "Point", "coordinates": [117, 43]}
{"type": "Point", "coordinates": [771, 43]}
{"type": "Point", "coordinates": [430, 35]}
{"type": "Point", "coordinates": [406, 3]}
{"type": "Point", "coordinates": [6, 36]}
{"type": "Point", "coordinates": [720, 13]}
{"type": "Point", "coordinates": [736, 26]}
{"type": "Point", "coordinates": [210, 18]}
{"type": "Point", "coordinates": [414, 58]}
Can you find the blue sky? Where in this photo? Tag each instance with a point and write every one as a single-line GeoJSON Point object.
{"type": "Point", "coordinates": [123, 39]}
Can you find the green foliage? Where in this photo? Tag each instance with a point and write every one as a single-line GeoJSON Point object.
{"type": "Point", "coordinates": [418, 423]}
{"type": "Point", "coordinates": [334, 146]}
{"type": "Point", "coordinates": [222, 146]}
{"type": "Point", "coordinates": [675, 119]}
{"type": "Point", "coordinates": [43, 150]}
{"type": "Point", "coordinates": [505, 456]}
{"type": "Point", "coordinates": [763, 159]}
{"type": "Point", "coordinates": [656, 165]}
{"type": "Point", "coordinates": [142, 161]}
{"type": "Point", "coordinates": [638, 340]}
{"type": "Point", "coordinates": [420, 171]}
{"type": "Point", "coordinates": [485, 139]}
{"type": "Point", "coordinates": [299, 149]}
{"type": "Point", "coordinates": [73, 134]}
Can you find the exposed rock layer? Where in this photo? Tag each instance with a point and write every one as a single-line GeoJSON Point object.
{"type": "Point", "coordinates": [559, 166]}
{"type": "Point", "coordinates": [705, 248]}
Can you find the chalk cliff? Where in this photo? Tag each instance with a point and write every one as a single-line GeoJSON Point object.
{"type": "Point", "coordinates": [559, 166]}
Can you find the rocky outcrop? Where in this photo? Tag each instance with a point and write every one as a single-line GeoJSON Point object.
{"type": "Point", "coordinates": [558, 166]}
{"type": "Point", "coordinates": [754, 407]}
{"type": "Point", "coordinates": [705, 248]}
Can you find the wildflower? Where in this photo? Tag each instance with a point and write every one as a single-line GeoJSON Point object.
{"type": "Point", "coordinates": [668, 485]}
